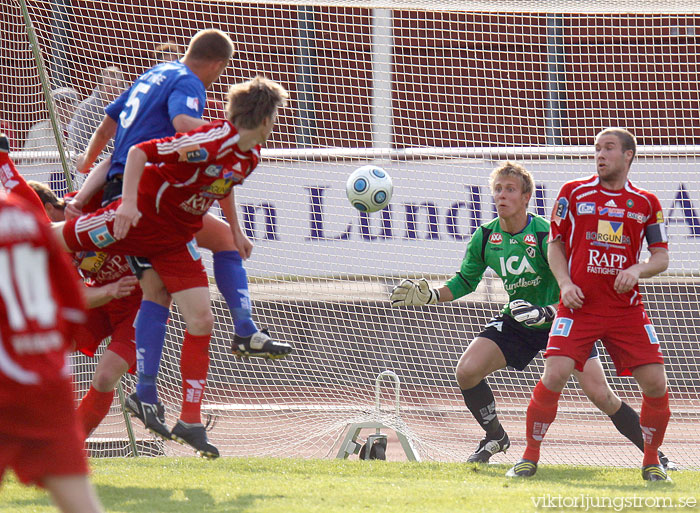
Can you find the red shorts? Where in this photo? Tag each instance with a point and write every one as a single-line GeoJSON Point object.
{"type": "Point", "coordinates": [39, 432]}
{"type": "Point", "coordinates": [629, 338]}
{"type": "Point", "coordinates": [175, 257]}
{"type": "Point", "coordinates": [115, 319]}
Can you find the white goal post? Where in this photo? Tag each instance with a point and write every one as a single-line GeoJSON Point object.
{"type": "Point", "coordinates": [437, 93]}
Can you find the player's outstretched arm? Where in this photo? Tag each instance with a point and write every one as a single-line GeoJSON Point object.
{"type": "Point", "coordinates": [93, 184]}
{"type": "Point", "coordinates": [571, 294]}
{"type": "Point", "coordinates": [128, 214]}
{"type": "Point", "coordinates": [98, 142]}
{"type": "Point", "coordinates": [418, 293]}
{"type": "Point", "coordinates": [243, 244]}
{"type": "Point", "coordinates": [655, 264]}
{"type": "Point", "coordinates": [98, 296]}
{"type": "Point", "coordinates": [185, 123]}
{"type": "Point", "coordinates": [57, 230]}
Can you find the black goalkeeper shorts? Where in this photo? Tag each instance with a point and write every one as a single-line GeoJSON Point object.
{"type": "Point", "coordinates": [518, 344]}
{"type": "Point", "coordinates": [139, 265]}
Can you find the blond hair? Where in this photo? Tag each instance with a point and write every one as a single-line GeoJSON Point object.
{"type": "Point", "coordinates": [250, 103]}
{"type": "Point", "coordinates": [509, 168]}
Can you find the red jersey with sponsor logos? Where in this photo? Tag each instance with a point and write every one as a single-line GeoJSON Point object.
{"type": "Point", "coordinates": [189, 172]}
{"type": "Point", "coordinates": [14, 183]}
{"type": "Point", "coordinates": [40, 300]}
{"type": "Point", "coordinates": [603, 231]}
{"type": "Point", "coordinates": [97, 268]}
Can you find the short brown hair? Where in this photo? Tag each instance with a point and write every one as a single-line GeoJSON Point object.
{"type": "Point", "coordinates": [210, 45]}
{"type": "Point", "coordinates": [165, 51]}
{"type": "Point", "coordinates": [46, 195]}
{"type": "Point", "coordinates": [627, 140]}
{"type": "Point", "coordinates": [250, 103]}
{"type": "Point", "coordinates": [509, 168]}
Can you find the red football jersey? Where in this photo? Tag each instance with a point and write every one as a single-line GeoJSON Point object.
{"type": "Point", "coordinates": [40, 298]}
{"type": "Point", "coordinates": [603, 231]}
{"type": "Point", "coordinates": [14, 183]}
{"type": "Point", "coordinates": [97, 268]}
{"type": "Point", "coordinates": [188, 173]}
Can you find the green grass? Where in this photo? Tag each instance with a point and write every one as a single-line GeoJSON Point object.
{"type": "Point", "coordinates": [151, 485]}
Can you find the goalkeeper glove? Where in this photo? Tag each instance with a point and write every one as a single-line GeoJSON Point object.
{"type": "Point", "coordinates": [531, 315]}
{"type": "Point", "coordinates": [412, 293]}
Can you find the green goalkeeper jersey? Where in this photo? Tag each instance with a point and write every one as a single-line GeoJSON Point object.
{"type": "Point", "coordinates": [520, 260]}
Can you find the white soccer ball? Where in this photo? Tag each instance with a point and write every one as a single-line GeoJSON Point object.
{"type": "Point", "coordinates": [369, 188]}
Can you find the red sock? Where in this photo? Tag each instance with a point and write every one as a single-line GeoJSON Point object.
{"type": "Point", "coordinates": [93, 407]}
{"type": "Point", "coordinates": [194, 364]}
{"type": "Point", "coordinates": [653, 421]}
{"type": "Point", "coordinates": [540, 414]}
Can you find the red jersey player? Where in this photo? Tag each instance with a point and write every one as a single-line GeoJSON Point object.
{"type": "Point", "coordinates": [111, 294]}
{"type": "Point", "coordinates": [598, 226]}
{"type": "Point", "coordinates": [162, 209]}
{"type": "Point", "coordinates": [40, 302]}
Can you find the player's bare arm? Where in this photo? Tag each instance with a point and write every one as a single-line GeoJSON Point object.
{"type": "Point", "coordinates": [240, 240]}
{"type": "Point", "coordinates": [128, 214]}
{"type": "Point", "coordinates": [99, 296]}
{"type": "Point", "coordinates": [98, 142]}
{"type": "Point", "coordinates": [445, 294]}
{"type": "Point", "coordinates": [571, 294]}
{"type": "Point", "coordinates": [185, 123]}
{"type": "Point", "coordinates": [93, 184]}
{"type": "Point", "coordinates": [655, 264]}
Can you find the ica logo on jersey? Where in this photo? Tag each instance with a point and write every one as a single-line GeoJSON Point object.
{"type": "Point", "coordinates": [515, 265]}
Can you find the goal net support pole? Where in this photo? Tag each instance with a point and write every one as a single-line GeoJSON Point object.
{"type": "Point", "coordinates": [349, 444]}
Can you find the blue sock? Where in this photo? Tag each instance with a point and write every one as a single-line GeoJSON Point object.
{"type": "Point", "coordinates": [232, 281]}
{"type": "Point", "coordinates": [150, 336]}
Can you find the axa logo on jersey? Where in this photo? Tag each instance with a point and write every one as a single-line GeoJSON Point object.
{"type": "Point", "coordinates": [530, 240]}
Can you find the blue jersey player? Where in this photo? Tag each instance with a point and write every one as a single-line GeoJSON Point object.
{"type": "Point", "coordinates": [147, 110]}
{"type": "Point", "coordinates": [170, 98]}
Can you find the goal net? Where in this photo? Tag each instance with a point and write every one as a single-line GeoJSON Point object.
{"type": "Point", "coordinates": [437, 93]}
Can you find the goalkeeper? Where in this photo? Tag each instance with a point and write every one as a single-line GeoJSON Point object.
{"type": "Point", "coordinates": [514, 246]}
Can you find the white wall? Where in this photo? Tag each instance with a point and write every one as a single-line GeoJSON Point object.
{"type": "Point", "coordinates": [286, 186]}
